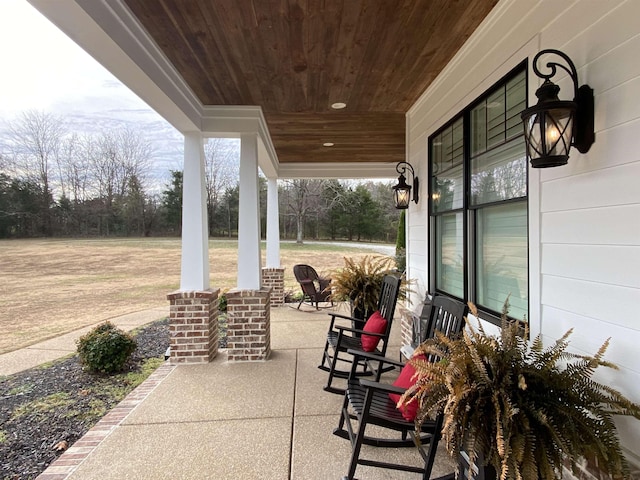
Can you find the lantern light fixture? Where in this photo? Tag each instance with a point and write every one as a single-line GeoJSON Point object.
{"type": "Point", "coordinates": [402, 191]}
{"type": "Point", "coordinates": [553, 126]}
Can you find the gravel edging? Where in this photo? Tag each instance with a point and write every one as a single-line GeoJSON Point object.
{"type": "Point", "coordinates": [67, 463]}
{"type": "Point", "coordinates": [45, 410]}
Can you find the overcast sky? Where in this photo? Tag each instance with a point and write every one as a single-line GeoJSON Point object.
{"type": "Point", "coordinates": [43, 69]}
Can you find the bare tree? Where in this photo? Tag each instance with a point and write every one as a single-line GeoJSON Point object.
{"type": "Point", "coordinates": [127, 154]}
{"type": "Point", "coordinates": [302, 200]}
{"type": "Point", "coordinates": [123, 155]}
{"type": "Point", "coordinates": [35, 139]}
{"type": "Point", "coordinates": [221, 157]}
{"type": "Point", "coordinates": [81, 154]}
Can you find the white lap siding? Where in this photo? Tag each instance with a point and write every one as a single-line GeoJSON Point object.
{"type": "Point", "coordinates": [584, 218]}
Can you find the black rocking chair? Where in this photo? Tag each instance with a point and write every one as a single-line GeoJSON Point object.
{"type": "Point", "coordinates": [368, 402]}
{"type": "Point", "coordinates": [315, 289]}
{"type": "Point", "coordinates": [341, 339]}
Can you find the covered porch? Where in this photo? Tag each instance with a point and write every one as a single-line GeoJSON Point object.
{"type": "Point", "coordinates": [233, 420]}
{"type": "Point", "coordinates": [328, 90]}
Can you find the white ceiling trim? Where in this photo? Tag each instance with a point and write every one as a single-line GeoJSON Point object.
{"type": "Point", "coordinates": [231, 121]}
{"type": "Point", "coordinates": [337, 170]}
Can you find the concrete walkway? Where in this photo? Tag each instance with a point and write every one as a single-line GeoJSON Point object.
{"type": "Point", "coordinates": [58, 347]}
{"type": "Point", "coordinates": [262, 420]}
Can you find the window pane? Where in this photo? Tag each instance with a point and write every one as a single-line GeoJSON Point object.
{"type": "Point", "coordinates": [516, 99]}
{"type": "Point", "coordinates": [447, 148]}
{"type": "Point", "coordinates": [447, 190]}
{"type": "Point", "coordinates": [449, 250]}
{"type": "Point", "coordinates": [447, 154]}
{"type": "Point", "coordinates": [479, 132]}
{"type": "Point", "coordinates": [499, 174]}
{"type": "Point", "coordinates": [478, 198]}
{"type": "Point", "coordinates": [501, 258]}
{"type": "Point", "coordinates": [496, 118]}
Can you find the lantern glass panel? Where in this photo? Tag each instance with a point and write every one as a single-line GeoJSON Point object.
{"type": "Point", "coordinates": [402, 197]}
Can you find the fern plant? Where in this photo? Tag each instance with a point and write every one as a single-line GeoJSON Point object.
{"type": "Point", "coordinates": [360, 282]}
{"type": "Point", "coordinates": [526, 408]}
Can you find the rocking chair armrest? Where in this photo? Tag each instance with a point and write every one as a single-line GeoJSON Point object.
{"type": "Point", "coordinates": [343, 329]}
{"type": "Point", "coordinates": [383, 387]}
{"type": "Point", "coordinates": [337, 316]}
{"type": "Point", "coordinates": [375, 357]}
{"type": "Point", "coordinates": [347, 317]}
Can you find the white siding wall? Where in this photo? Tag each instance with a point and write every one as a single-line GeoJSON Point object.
{"type": "Point", "coordinates": [584, 223]}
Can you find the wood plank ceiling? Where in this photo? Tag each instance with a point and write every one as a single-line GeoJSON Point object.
{"type": "Point", "coordinates": [295, 58]}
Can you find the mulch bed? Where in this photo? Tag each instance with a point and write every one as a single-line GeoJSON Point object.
{"type": "Point", "coordinates": [46, 409]}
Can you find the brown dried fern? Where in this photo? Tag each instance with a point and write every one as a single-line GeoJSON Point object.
{"type": "Point", "coordinates": [526, 408]}
{"type": "Point", "coordinates": [360, 282]}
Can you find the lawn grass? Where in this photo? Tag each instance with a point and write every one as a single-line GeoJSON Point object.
{"type": "Point", "coordinates": [52, 286]}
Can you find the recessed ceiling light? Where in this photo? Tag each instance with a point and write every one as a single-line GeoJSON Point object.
{"type": "Point", "coordinates": [338, 105]}
{"type": "Point", "coordinates": [328, 144]}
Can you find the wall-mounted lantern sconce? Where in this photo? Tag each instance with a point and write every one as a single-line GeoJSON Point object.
{"type": "Point", "coordinates": [552, 126]}
{"type": "Point", "coordinates": [402, 191]}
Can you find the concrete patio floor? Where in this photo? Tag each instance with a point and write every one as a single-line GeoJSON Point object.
{"type": "Point", "coordinates": [261, 420]}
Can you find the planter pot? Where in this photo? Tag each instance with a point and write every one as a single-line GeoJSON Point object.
{"type": "Point", "coordinates": [356, 313]}
{"type": "Point", "coordinates": [477, 471]}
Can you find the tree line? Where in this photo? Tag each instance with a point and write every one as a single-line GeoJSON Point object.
{"type": "Point", "coordinates": [59, 183]}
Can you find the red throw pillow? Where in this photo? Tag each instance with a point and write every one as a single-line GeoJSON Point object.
{"type": "Point", "coordinates": [375, 324]}
{"type": "Point", "coordinates": [406, 380]}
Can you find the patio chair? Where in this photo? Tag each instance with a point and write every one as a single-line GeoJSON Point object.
{"type": "Point", "coordinates": [369, 402]}
{"type": "Point", "coordinates": [315, 289]}
{"type": "Point", "coordinates": [359, 336]}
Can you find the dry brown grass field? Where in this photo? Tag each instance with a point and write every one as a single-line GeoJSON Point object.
{"type": "Point", "coordinates": [53, 286]}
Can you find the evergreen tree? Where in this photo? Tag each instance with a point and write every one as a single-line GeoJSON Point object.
{"type": "Point", "coordinates": [401, 244]}
{"type": "Point", "coordinates": [172, 202]}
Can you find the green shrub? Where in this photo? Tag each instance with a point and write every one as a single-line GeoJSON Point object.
{"type": "Point", "coordinates": [222, 303]}
{"type": "Point", "coordinates": [401, 244]}
{"type": "Point", "coordinates": [106, 348]}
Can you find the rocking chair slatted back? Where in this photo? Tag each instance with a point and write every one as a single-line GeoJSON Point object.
{"type": "Point", "coordinates": [369, 402]}
{"type": "Point", "coordinates": [447, 317]}
{"type": "Point", "coordinates": [389, 297]}
{"type": "Point", "coordinates": [340, 339]}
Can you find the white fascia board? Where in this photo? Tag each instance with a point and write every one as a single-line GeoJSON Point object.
{"type": "Point", "coordinates": [109, 32]}
{"type": "Point", "coordinates": [268, 165]}
{"type": "Point", "coordinates": [232, 121]}
{"type": "Point", "coordinates": [355, 170]}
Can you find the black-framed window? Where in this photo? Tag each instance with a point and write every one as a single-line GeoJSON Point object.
{"type": "Point", "coordinates": [478, 201]}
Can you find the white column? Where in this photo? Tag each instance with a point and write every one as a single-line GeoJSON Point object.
{"type": "Point", "coordinates": [249, 262]}
{"type": "Point", "coordinates": [273, 224]}
{"type": "Point", "coordinates": [194, 273]}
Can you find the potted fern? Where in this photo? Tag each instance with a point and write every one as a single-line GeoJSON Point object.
{"type": "Point", "coordinates": [526, 410]}
{"type": "Point", "coordinates": [360, 281]}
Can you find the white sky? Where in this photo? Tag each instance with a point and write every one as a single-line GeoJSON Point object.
{"type": "Point", "coordinates": [43, 69]}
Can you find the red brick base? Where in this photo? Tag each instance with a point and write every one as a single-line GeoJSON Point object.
{"type": "Point", "coordinates": [274, 278]}
{"type": "Point", "coordinates": [193, 326]}
{"type": "Point", "coordinates": [248, 325]}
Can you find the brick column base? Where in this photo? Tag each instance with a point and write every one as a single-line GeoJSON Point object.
{"type": "Point", "coordinates": [193, 326]}
{"type": "Point", "coordinates": [274, 278]}
{"type": "Point", "coordinates": [248, 325]}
